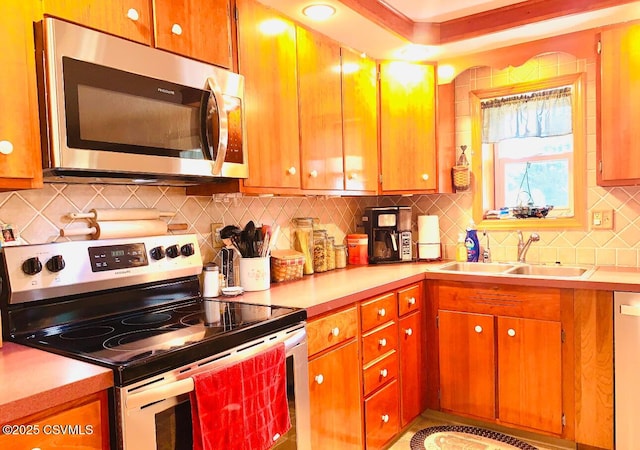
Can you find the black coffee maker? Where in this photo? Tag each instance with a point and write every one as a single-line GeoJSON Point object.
{"type": "Point", "coordinates": [389, 232]}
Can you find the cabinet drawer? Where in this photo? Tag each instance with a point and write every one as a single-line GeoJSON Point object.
{"type": "Point", "coordinates": [380, 372]}
{"type": "Point", "coordinates": [377, 311]}
{"type": "Point", "coordinates": [381, 416]}
{"type": "Point", "coordinates": [379, 342]}
{"type": "Point", "coordinates": [331, 330]}
{"type": "Point", "coordinates": [409, 299]}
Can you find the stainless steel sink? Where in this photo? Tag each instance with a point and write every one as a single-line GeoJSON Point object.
{"type": "Point", "coordinates": [472, 267]}
{"type": "Point", "coordinates": [517, 269]}
{"type": "Point", "coordinates": [551, 271]}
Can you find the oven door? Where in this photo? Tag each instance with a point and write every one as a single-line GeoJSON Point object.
{"type": "Point", "coordinates": [155, 414]}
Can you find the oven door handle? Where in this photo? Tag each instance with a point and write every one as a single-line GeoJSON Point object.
{"type": "Point", "coordinates": [186, 385]}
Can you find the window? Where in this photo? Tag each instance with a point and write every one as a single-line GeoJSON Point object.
{"type": "Point", "coordinates": [532, 159]}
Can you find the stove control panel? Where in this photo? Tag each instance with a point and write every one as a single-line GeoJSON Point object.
{"type": "Point", "coordinates": [49, 270]}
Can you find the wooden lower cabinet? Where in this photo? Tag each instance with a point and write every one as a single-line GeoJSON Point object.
{"type": "Point", "coordinates": [381, 414]}
{"type": "Point", "coordinates": [81, 424]}
{"type": "Point", "coordinates": [334, 388]}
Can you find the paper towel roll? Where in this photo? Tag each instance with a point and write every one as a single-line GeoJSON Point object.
{"type": "Point", "coordinates": [428, 230]}
{"type": "Point", "coordinates": [123, 229]}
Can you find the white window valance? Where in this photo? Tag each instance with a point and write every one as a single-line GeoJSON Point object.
{"type": "Point", "coordinates": [535, 114]}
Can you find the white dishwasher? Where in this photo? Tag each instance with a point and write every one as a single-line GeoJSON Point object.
{"type": "Point", "coordinates": [627, 369]}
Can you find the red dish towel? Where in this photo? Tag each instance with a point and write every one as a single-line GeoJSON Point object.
{"type": "Point", "coordinates": [242, 406]}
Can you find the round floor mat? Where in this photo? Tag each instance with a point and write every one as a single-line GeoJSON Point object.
{"type": "Point", "coordinates": [460, 437]}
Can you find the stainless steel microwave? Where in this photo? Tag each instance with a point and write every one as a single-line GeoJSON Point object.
{"type": "Point", "coordinates": [115, 111]}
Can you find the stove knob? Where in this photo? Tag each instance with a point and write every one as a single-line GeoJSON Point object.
{"type": "Point", "coordinates": [187, 250]}
{"type": "Point", "coordinates": [158, 253]}
{"type": "Point", "coordinates": [173, 251]}
{"type": "Point", "coordinates": [32, 266]}
{"type": "Point", "coordinates": [55, 263]}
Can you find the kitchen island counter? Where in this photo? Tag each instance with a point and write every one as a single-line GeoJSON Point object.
{"type": "Point", "coordinates": [33, 380]}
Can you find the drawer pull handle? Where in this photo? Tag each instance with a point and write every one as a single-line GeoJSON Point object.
{"type": "Point", "coordinates": [6, 147]}
{"type": "Point", "coordinates": [382, 342]}
{"type": "Point", "coordinates": [133, 14]}
{"type": "Point", "coordinates": [384, 373]}
{"type": "Point", "coordinates": [411, 301]}
{"type": "Point", "coordinates": [335, 331]}
{"type": "Point", "coordinates": [319, 379]}
{"type": "Point", "coordinates": [408, 331]}
{"type": "Point", "coordinates": [425, 176]}
{"type": "Point", "coordinates": [313, 174]}
{"type": "Point", "coordinates": [382, 312]}
{"type": "Point", "coordinates": [176, 29]}
{"type": "Point", "coordinates": [385, 418]}
{"type": "Point", "coordinates": [511, 332]}
{"type": "Point", "coordinates": [478, 329]}
{"type": "Point", "coordinates": [291, 170]}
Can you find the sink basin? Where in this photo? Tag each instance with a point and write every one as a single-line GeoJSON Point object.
{"type": "Point", "coordinates": [551, 271]}
{"type": "Point", "coordinates": [517, 269]}
{"type": "Point", "coordinates": [472, 267]}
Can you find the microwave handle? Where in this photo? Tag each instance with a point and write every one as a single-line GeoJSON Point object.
{"type": "Point", "coordinates": [223, 121]}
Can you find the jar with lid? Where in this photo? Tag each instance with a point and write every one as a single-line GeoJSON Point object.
{"type": "Point", "coordinates": [341, 256]}
{"type": "Point", "coordinates": [331, 253]}
{"type": "Point", "coordinates": [210, 281]}
{"type": "Point", "coordinates": [302, 241]}
{"type": "Point", "coordinates": [320, 250]}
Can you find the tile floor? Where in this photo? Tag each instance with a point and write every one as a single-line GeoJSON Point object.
{"type": "Point", "coordinates": [429, 419]}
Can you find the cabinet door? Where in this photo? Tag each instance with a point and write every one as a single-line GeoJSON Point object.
{"type": "Point", "coordinates": [130, 19]}
{"type": "Point", "coordinates": [20, 163]}
{"type": "Point", "coordinates": [267, 59]}
{"type": "Point", "coordinates": [619, 82]}
{"type": "Point", "coordinates": [412, 368]}
{"type": "Point", "coordinates": [335, 401]}
{"type": "Point", "coordinates": [467, 363]}
{"type": "Point", "coordinates": [359, 122]}
{"type": "Point", "coordinates": [320, 111]}
{"type": "Point", "coordinates": [199, 29]}
{"type": "Point", "coordinates": [381, 417]}
{"type": "Point", "coordinates": [407, 127]}
{"type": "Point", "coordinates": [530, 373]}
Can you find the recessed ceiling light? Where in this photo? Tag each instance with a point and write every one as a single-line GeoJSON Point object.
{"type": "Point", "coordinates": [319, 11]}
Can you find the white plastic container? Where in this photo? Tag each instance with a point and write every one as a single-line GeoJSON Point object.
{"type": "Point", "coordinates": [255, 273]}
{"type": "Point", "coordinates": [210, 281]}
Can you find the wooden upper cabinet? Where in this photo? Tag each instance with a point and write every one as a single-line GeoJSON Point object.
{"type": "Point", "coordinates": [267, 59]}
{"type": "Point", "coordinates": [20, 161]}
{"type": "Point", "coordinates": [320, 111]}
{"type": "Point", "coordinates": [130, 19]}
{"type": "Point", "coordinates": [618, 82]}
{"type": "Point", "coordinates": [199, 29]}
{"type": "Point", "coordinates": [359, 122]}
{"type": "Point", "coordinates": [407, 127]}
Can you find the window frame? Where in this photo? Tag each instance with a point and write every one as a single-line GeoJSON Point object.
{"type": "Point", "coordinates": [483, 169]}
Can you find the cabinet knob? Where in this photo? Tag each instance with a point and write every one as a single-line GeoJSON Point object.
{"type": "Point", "coordinates": [382, 312]}
{"type": "Point", "coordinates": [6, 147]}
{"type": "Point", "coordinates": [133, 14]}
{"type": "Point", "coordinates": [319, 379]}
{"type": "Point", "coordinates": [176, 29]}
{"type": "Point", "coordinates": [382, 342]}
{"type": "Point", "coordinates": [313, 174]}
{"type": "Point", "coordinates": [411, 301]}
{"type": "Point", "coordinates": [335, 331]}
{"type": "Point", "coordinates": [353, 176]}
{"type": "Point", "coordinates": [425, 176]}
{"type": "Point", "coordinates": [511, 332]}
{"type": "Point", "coordinates": [291, 170]}
{"type": "Point", "coordinates": [385, 418]}
{"type": "Point", "coordinates": [478, 329]}
{"type": "Point", "coordinates": [384, 373]}
{"type": "Point", "coordinates": [408, 331]}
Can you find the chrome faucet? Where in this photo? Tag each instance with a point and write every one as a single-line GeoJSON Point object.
{"type": "Point", "coordinates": [523, 247]}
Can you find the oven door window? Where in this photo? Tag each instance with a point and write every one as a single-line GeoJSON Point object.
{"type": "Point", "coordinates": [173, 428]}
{"type": "Point", "coordinates": [111, 110]}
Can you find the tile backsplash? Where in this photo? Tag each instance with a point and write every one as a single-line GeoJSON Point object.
{"type": "Point", "coordinates": [38, 215]}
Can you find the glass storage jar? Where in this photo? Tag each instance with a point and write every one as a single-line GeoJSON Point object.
{"type": "Point", "coordinates": [331, 253]}
{"type": "Point", "coordinates": [341, 256]}
{"type": "Point", "coordinates": [302, 241]}
{"type": "Point", "coordinates": [319, 250]}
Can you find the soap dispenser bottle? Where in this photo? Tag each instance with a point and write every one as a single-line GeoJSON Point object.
{"type": "Point", "coordinates": [472, 243]}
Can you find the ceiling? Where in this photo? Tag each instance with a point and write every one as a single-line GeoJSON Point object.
{"type": "Point", "coordinates": [449, 28]}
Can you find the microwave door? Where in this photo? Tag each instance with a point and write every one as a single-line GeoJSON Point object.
{"type": "Point", "coordinates": [216, 123]}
